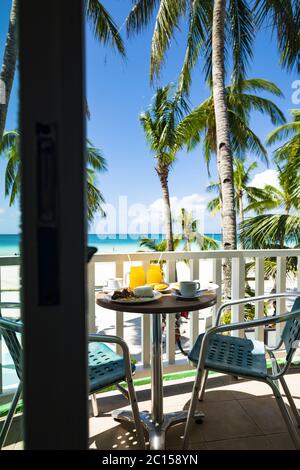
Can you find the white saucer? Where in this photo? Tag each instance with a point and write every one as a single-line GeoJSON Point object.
{"type": "Point", "coordinates": [195, 297]}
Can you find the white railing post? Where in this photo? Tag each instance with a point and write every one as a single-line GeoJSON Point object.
{"type": "Point", "coordinates": [194, 316]}
{"type": "Point", "coordinates": [280, 287]}
{"type": "Point", "coordinates": [170, 327]}
{"type": "Point", "coordinates": [259, 290]}
{"type": "Point", "coordinates": [238, 291]}
{"type": "Point", "coordinates": [91, 297]}
{"type": "Point", "coordinates": [217, 279]}
{"type": "Point", "coordinates": [119, 315]}
{"type": "Point", "coordinates": [146, 330]}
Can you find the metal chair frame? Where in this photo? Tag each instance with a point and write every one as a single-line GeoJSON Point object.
{"type": "Point", "coordinates": [9, 330]}
{"type": "Point", "coordinates": [273, 380]}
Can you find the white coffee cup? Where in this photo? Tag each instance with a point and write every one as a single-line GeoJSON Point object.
{"type": "Point", "coordinates": [189, 288]}
{"type": "Point", "coordinates": [114, 283]}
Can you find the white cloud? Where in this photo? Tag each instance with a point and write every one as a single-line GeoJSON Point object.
{"type": "Point", "coordinates": [143, 219]}
{"type": "Point", "coordinates": [267, 177]}
{"type": "Point", "coordinates": [2, 210]}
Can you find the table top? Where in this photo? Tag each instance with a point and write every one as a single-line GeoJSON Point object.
{"type": "Point", "coordinates": [166, 304]}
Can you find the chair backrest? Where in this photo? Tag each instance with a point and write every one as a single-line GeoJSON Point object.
{"type": "Point", "coordinates": [9, 330]}
{"type": "Point", "coordinates": [291, 332]}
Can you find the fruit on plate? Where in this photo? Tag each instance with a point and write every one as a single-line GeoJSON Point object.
{"type": "Point", "coordinates": [160, 286]}
{"type": "Point", "coordinates": [123, 294]}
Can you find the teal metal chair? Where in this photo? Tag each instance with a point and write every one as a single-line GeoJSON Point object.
{"type": "Point", "coordinates": [246, 358]}
{"type": "Point", "coordinates": [106, 368]}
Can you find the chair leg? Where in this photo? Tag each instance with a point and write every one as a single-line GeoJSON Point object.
{"type": "Point", "coordinates": [290, 400]}
{"type": "Point", "coordinates": [95, 405]}
{"type": "Point", "coordinates": [9, 417]}
{"type": "Point", "coordinates": [285, 414]}
{"type": "Point", "coordinates": [192, 408]}
{"type": "Point", "coordinates": [203, 384]}
{"type": "Point", "coordinates": [123, 391]}
{"type": "Point", "coordinates": [135, 412]}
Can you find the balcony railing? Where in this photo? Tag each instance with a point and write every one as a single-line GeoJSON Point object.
{"type": "Point", "coordinates": [203, 265]}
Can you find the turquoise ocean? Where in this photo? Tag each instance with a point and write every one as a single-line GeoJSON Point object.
{"type": "Point", "coordinates": [115, 243]}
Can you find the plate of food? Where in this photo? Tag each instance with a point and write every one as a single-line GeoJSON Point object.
{"type": "Point", "coordinates": [163, 287]}
{"type": "Point", "coordinates": [133, 296]}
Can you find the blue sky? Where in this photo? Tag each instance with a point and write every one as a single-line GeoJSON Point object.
{"type": "Point", "coordinates": [118, 90]}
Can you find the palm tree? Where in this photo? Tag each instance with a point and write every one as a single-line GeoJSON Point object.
{"type": "Point", "coordinates": [105, 30]}
{"type": "Point", "coordinates": [161, 123]}
{"type": "Point", "coordinates": [160, 246]}
{"type": "Point", "coordinates": [273, 230]}
{"type": "Point", "coordinates": [207, 22]}
{"type": "Point", "coordinates": [95, 163]}
{"type": "Point", "coordinates": [190, 234]}
{"type": "Point", "coordinates": [241, 100]}
{"type": "Point", "coordinates": [9, 64]}
{"type": "Point", "coordinates": [242, 177]}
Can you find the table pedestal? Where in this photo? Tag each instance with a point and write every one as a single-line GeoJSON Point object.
{"type": "Point", "coordinates": [157, 422]}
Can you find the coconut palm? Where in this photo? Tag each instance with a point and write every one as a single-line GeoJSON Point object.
{"type": "Point", "coordinates": [274, 230]}
{"type": "Point", "coordinates": [207, 23]}
{"type": "Point", "coordinates": [242, 177]}
{"type": "Point", "coordinates": [241, 100]}
{"type": "Point", "coordinates": [9, 65]}
{"type": "Point", "coordinates": [95, 163]}
{"type": "Point", "coordinates": [289, 152]}
{"type": "Point", "coordinates": [160, 246]}
{"type": "Point", "coordinates": [190, 234]}
{"type": "Point", "coordinates": [161, 123]}
{"type": "Point", "coordinates": [102, 24]}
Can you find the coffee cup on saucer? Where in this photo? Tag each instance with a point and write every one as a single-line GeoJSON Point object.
{"type": "Point", "coordinates": [189, 288]}
{"type": "Point", "coordinates": [113, 283]}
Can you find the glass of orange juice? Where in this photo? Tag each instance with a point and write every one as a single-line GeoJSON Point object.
{"type": "Point", "coordinates": [137, 277]}
{"type": "Point", "coordinates": [154, 274]}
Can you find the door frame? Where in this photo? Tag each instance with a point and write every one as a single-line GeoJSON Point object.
{"type": "Point", "coordinates": [53, 265]}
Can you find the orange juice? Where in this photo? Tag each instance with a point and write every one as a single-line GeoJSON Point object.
{"type": "Point", "coordinates": [137, 277]}
{"type": "Point", "coordinates": [154, 274]}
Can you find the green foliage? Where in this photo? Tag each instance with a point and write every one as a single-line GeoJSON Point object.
{"type": "Point", "coordinates": [242, 100]}
{"type": "Point", "coordinates": [95, 163]}
{"type": "Point", "coordinates": [104, 27]}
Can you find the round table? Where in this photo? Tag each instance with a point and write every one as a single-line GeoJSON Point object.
{"type": "Point", "coordinates": [157, 422]}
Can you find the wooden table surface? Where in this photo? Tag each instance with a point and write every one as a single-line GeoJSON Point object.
{"type": "Point", "coordinates": [166, 304]}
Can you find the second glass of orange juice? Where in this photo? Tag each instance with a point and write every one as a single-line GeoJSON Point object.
{"type": "Point", "coordinates": [154, 274]}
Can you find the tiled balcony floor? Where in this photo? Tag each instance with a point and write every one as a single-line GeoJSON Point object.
{"type": "Point", "coordinates": [239, 415]}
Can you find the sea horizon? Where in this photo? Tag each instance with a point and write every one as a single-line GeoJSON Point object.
{"type": "Point", "coordinates": [108, 243]}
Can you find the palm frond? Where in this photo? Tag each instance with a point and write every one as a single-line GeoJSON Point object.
{"type": "Point", "coordinates": [283, 17]}
{"type": "Point", "coordinates": [104, 27]}
{"type": "Point", "coordinates": [259, 84]}
{"type": "Point", "coordinates": [140, 15]}
{"type": "Point", "coordinates": [200, 17]}
{"type": "Point", "coordinates": [283, 132]}
{"type": "Point", "coordinates": [242, 37]}
{"type": "Point", "coordinates": [167, 21]}
{"type": "Point", "coordinates": [268, 230]}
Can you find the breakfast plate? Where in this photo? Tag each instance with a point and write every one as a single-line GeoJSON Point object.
{"type": "Point", "coordinates": [133, 299]}
{"type": "Point", "coordinates": [162, 287]}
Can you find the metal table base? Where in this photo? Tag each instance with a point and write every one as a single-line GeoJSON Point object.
{"type": "Point", "coordinates": [156, 422]}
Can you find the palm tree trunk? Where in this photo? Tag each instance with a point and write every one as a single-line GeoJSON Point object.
{"type": "Point", "coordinates": [163, 173]}
{"type": "Point", "coordinates": [225, 159]}
{"type": "Point", "coordinates": [9, 65]}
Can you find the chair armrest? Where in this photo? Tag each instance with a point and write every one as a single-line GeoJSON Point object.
{"type": "Point", "coordinates": [95, 337]}
{"type": "Point", "coordinates": [253, 299]}
{"type": "Point", "coordinates": [11, 325]}
{"type": "Point", "coordinates": [241, 326]}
